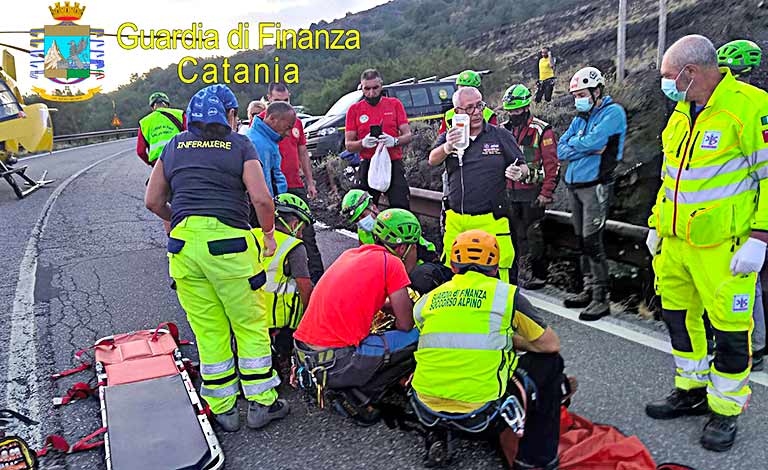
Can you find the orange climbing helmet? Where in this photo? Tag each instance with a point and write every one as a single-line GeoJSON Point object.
{"type": "Point", "coordinates": [475, 248]}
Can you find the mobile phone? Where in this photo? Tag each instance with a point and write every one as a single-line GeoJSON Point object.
{"type": "Point", "coordinates": [376, 131]}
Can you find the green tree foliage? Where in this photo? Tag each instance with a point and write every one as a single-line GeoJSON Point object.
{"type": "Point", "coordinates": [403, 38]}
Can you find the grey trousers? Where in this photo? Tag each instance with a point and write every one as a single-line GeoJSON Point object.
{"type": "Point", "coordinates": [589, 209]}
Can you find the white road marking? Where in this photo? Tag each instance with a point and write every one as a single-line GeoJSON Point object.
{"type": "Point", "coordinates": [23, 382]}
{"type": "Point", "coordinates": [545, 303]}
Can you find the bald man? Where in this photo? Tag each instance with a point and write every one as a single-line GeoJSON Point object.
{"type": "Point", "coordinates": [477, 183]}
{"type": "Point", "coordinates": [708, 233]}
{"type": "Point", "coordinates": [265, 134]}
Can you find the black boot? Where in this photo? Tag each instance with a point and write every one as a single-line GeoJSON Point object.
{"type": "Point", "coordinates": [598, 308]}
{"type": "Point", "coordinates": [679, 403]}
{"type": "Point", "coordinates": [525, 276]}
{"type": "Point", "coordinates": [719, 433]}
{"type": "Point", "coordinates": [580, 300]}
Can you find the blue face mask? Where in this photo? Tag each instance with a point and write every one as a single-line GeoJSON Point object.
{"type": "Point", "coordinates": [583, 105]}
{"type": "Point", "coordinates": [669, 87]}
{"type": "Point", "coordinates": [366, 223]}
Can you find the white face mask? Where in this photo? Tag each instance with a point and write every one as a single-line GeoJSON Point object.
{"type": "Point", "coordinates": [366, 223]}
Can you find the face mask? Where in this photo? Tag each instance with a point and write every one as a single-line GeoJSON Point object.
{"type": "Point", "coordinates": [517, 120]}
{"type": "Point", "coordinates": [583, 105]}
{"type": "Point", "coordinates": [669, 87]}
{"type": "Point", "coordinates": [366, 223]}
{"type": "Point", "coordinates": [373, 101]}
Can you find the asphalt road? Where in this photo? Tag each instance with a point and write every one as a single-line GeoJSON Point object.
{"type": "Point", "coordinates": [100, 268]}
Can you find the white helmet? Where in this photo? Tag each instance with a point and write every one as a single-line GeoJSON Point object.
{"type": "Point", "coordinates": [588, 77]}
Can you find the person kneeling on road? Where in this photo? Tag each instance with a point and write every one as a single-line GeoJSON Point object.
{"type": "Point", "coordinates": [333, 339]}
{"type": "Point", "coordinates": [460, 372]}
{"type": "Point", "coordinates": [358, 208]}
{"type": "Point", "coordinates": [288, 284]}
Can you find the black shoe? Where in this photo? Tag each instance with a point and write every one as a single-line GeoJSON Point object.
{"type": "Point", "coordinates": [580, 300]}
{"type": "Point", "coordinates": [719, 433]}
{"type": "Point", "coordinates": [595, 310]}
{"type": "Point", "coordinates": [362, 416]}
{"type": "Point", "coordinates": [757, 360]}
{"type": "Point", "coordinates": [679, 403]}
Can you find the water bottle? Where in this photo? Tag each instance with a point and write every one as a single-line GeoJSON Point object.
{"type": "Point", "coordinates": [461, 121]}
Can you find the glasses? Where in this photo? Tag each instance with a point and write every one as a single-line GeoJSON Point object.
{"type": "Point", "coordinates": [471, 109]}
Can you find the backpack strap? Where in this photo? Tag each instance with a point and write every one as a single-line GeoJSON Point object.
{"type": "Point", "coordinates": [173, 119]}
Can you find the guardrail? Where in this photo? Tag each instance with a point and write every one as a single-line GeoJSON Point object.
{"type": "Point", "coordinates": [624, 243]}
{"type": "Point", "coordinates": [97, 135]}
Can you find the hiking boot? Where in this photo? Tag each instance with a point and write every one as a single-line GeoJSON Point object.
{"type": "Point", "coordinates": [719, 433]}
{"type": "Point", "coordinates": [260, 415]}
{"type": "Point", "coordinates": [361, 415]}
{"type": "Point", "coordinates": [679, 403]}
{"type": "Point", "coordinates": [757, 360]}
{"type": "Point", "coordinates": [11, 160]}
{"type": "Point", "coordinates": [229, 421]}
{"type": "Point", "coordinates": [596, 310]}
{"type": "Point", "coordinates": [525, 276]}
{"type": "Point", "coordinates": [580, 300]}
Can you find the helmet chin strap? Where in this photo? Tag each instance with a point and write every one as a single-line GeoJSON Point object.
{"type": "Point", "coordinates": [293, 232]}
{"type": "Point", "coordinates": [405, 255]}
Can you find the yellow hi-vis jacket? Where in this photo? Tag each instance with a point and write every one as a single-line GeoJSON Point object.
{"type": "Point", "coordinates": [465, 347]}
{"type": "Point", "coordinates": [715, 168]}
{"type": "Point", "coordinates": [284, 306]}
{"type": "Point", "coordinates": [158, 130]}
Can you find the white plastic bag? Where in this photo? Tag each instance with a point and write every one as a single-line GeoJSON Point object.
{"type": "Point", "coordinates": [380, 171]}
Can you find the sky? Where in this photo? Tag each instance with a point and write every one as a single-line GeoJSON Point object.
{"type": "Point", "coordinates": [167, 14]}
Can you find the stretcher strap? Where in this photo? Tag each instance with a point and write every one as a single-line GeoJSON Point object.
{"type": "Point", "coordinates": [173, 329]}
{"type": "Point", "coordinates": [78, 391]}
{"type": "Point", "coordinates": [85, 364]}
{"type": "Point", "coordinates": [57, 442]}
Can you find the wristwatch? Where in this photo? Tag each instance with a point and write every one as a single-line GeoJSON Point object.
{"type": "Point", "coordinates": [397, 141]}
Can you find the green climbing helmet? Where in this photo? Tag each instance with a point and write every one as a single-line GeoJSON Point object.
{"type": "Point", "coordinates": [516, 97]}
{"type": "Point", "coordinates": [469, 78]}
{"type": "Point", "coordinates": [158, 96]}
{"type": "Point", "coordinates": [397, 227]}
{"type": "Point", "coordinates": [741, 56]}
{"type": "Point", "coordinates": [287, 203]}
{"type": "Point", "coordinates": [355, 202]}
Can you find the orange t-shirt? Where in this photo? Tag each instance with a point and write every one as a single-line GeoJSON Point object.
{"type": "Point", "coordinates": [349, 294]}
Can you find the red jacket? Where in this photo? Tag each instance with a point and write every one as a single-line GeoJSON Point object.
{"type": "Point", "coordinates": [539, 145]}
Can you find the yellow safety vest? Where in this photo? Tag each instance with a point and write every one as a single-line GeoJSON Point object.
{"type": "Point", "coordinates": [465, 348]}
{"type": "Point", "coordinates": [545, 68]}
{"type": "Point", "coordinates": [284, 306]}
{"type": "Point", "coordinates": [157, 130]}
{"type": "Point", "coordinates": [715, 167]}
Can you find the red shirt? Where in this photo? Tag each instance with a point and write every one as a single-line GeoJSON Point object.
{"type": "Point", "coordinates": [389, 113]}
{"type": "Point", "coordinates": [349, 294]}
{"type": "Point", "coordinates": [289, 151]}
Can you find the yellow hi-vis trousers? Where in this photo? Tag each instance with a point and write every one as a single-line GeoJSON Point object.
{"type": "Point", "coordinates": [690, 280]}
{"type": "Point", "coordinates": [218, 280]}
{"type": "Point", "coordinates": [456, 223]}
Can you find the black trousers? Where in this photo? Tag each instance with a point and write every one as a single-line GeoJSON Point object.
{"type": "Point", "coordinates": [527, 236]}
{"type": "Point", "coordinates": [316, 268]}
{"type": "Point", "coordinates": [545, 89]}
{"type": "Point", "coordinates": [399, 194]}
{"type": "Point", "coordinates": [538, 447]}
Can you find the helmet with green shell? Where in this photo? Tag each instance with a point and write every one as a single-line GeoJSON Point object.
{"type": "Point", "coordinates": [516, 97]}
{"type": "Point", "coordinates": [469, 78]}
{"type": "Point", "coordinates": [397, 227]}
{"type": "Point", "coordinates": [355, 202]}
{"type": "Point", "coordinates": [287, 203]}
{"type": "Point", "coordinates": [741, 56]}
{"type": "Point", "coordinates": [158, 96]}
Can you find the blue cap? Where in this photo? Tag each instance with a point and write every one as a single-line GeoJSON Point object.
{"type": "Point", "coordinates": [210, 105]}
